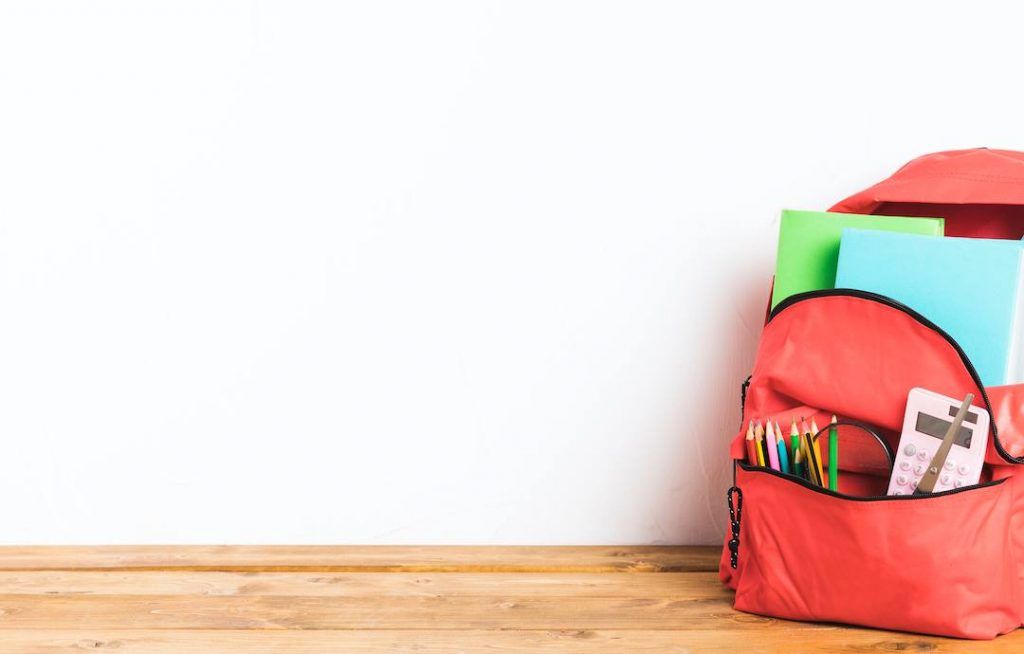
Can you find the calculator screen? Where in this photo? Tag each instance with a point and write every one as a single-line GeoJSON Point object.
{"type": "Point", "coordinates": [937, 428]}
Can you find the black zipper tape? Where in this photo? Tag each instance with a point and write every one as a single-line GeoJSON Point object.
{"type": "Point", "coordinates": [871, 498]}
{"type": "Point", "coordinates": [899, 306]}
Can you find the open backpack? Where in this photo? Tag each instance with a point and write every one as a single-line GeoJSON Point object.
{"type": "Point", "coordinates": [949, 563]}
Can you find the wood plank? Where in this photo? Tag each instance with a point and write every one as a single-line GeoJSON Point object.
{"type": "Point", "coordinates": [187, 600]}
{"type": "Point", "coordinates": [331, 558]}
{"type": "Point", "coordinates": [774, 637]}
{"type": "Point", "coordinates": [360, 584]}
{"type": "Point", "coordinates": [710, 610]}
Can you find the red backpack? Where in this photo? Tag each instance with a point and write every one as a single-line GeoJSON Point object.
{"type": "Point", "coordinates": [951, 563]}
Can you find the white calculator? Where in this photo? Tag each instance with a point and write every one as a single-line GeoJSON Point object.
{"type": "Point", "coordinates": [925, 423]}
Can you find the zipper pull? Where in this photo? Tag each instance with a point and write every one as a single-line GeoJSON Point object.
{"type": "Point", "coordinates": [735, 513]}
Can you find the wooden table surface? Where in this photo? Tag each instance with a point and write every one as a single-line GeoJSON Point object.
{"type": "Point", "coordinates": [213, 599]}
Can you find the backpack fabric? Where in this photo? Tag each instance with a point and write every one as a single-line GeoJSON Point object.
{"type": "Point", "coordinates": [948, 564]}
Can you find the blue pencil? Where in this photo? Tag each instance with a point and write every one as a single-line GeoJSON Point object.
{"type": "Point", "coordinates": [783, 454]}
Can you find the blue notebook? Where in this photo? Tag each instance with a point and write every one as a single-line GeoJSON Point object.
{"type": "Point", "coordinates": [970, 287]}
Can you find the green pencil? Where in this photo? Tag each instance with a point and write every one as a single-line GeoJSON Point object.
{"type": "Point", "coordinates": [833, 455]}
{"type": "Point", "coordinates": [794, 441]}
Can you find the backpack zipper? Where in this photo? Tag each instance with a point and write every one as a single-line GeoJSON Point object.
{"type": "Point", "coordinates": [899, 306]}
{"type": "Point", "coordinates": [856, 498]}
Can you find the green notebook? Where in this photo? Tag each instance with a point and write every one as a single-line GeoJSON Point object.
{"type": "Point", "coordinates": [809, 245]}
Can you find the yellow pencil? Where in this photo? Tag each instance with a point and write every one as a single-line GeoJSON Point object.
{"type": "Point", "coordinates": [813, 454]}
{"type": "Point", "coordinates": [822, 463]}
{"type": "Point", "coordinates": [751, 445]}
{"type": "Point", "coordinates": [759, 441]}
{"type": "Point", "coordinates": [812, 461]}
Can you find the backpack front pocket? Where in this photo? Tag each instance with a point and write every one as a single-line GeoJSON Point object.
{"type": "Point", "coordinates": [939, 564]}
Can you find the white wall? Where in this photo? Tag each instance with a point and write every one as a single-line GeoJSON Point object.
{"type": "Point", "coordinates": [449, 272]}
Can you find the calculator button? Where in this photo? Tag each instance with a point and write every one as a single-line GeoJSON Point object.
{"type": "Point", "coordinates": [919, 469]}
{"type": "Point", "coordinates": [902, 480]}
{"type": "Point", "coordinates": [945, 479]}
{"type": "Point", "coordinates": [963, 469]}
{"type": "Point", "coordinates": [949, 465]}
{"type": "Point", "coordinates": [904, 465]}
{"type": "Point", "coordinates": [922, 455]}
{"type": "Point", "coordinates": [958, 483]}
{"type": "Point", "coordinates": [898, 492]}
{"type": "Point", "coordinates": [910, 450]}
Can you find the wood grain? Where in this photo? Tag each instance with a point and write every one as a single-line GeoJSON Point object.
{"type": "Point", "coordinates": [361, 558]}
{"type": "Point", "coordinates": [428, 600]}
{"type": "Point", "coordinates": [443, 612]}
{"type": "Point", "coordinates": [361, 584]}
{"type": "Point", "coordinates": [775, 638]}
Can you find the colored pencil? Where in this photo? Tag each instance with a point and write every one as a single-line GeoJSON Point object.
{"type": "Point", "coordinates": [773, 445]}
{"type": "Point", "coordinates": [783, 449]}
{"type": "Point", "coordinates": [794, 439]}
{"type": "Point", "coordinates": [759, 443]}
{"type": "Point", "coordinates": [814, 455]}
{"type": "Point", "coordinates": [783, 456]}
{"type": "Point", "coordinates": [817, 447]}
{"type": "Point", "coordinates": [751, 452]}
{"type": "Point", "coordinates": [812, 461]}
{"type": "Point", "coordinates": [833, 455]}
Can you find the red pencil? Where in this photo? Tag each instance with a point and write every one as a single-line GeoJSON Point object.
{"type": "Point", "coordinates": [751, 445]}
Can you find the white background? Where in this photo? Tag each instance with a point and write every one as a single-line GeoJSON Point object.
{"type": "Point", "coordinates": [422, 272]}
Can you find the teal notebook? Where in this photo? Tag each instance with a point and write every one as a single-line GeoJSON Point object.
{"type": "Point", "coordinates": [970, 287]}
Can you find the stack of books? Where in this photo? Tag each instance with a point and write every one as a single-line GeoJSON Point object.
{"type": "Point", "coordinates": [971, 288]}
